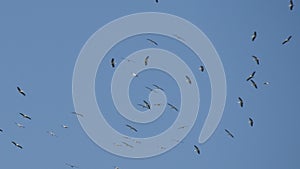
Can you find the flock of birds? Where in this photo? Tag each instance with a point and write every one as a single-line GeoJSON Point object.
{"type": "Point", "coordinates": [147, 105]}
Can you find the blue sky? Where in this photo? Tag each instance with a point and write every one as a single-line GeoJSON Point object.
{"type": "Point", "coordinates": [40, 43]}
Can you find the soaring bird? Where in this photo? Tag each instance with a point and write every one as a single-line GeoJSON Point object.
{"type": "Point", "coordinates": [112, 62]}
{"type": "Point", "coordinates": [229, 133]}
{"type": "Point", "coordinates": [251, 121]}
{"type": "Point", "coordinates": [20, 125]}
{"type": "Point", "coordinates": [143, 106]}
{"type": "Point", "coordinates": [21, 91]}
{"type": "Point", "coordinates": [266, 83]}
{"type": "Point", "coordinates": [64, 126]}
{"type": "Point", "coordinates": [157, 87]}
{"type": "Point", "coordinates": [126, 144]}
{"type": "Point", "coordinates": [1, 130]}
{"type": "Point", "coordinates": [135, 75]}
{"type": "Point", "coordinates": [71, 165]}
{"type": "Point", "coordinates": [253, 37]}
{"type": "Point", "coordinates": [287, 40]}
{"type": "Point", "coordinates": [201, 68]}
{"type": "Point", "coordinates": [173, 107]}
{"type": "Point", "coordinates": [291, 5]}
{"type": "Point", "coordinates": [241, 102]}
{"type": "Point", "coordinates": [150, 89]}
{"type": "Point", "coordinates": [77, 114]}
{"type": "Point", "coordinates": [253, 84]}
{"type": "Point", "coordinates": [251, 76]}
{"type": "Point", "coordinates": [188, 79]}
{"type": "Point", "coordinates": [17, 145]}
{"type": "Point", "coordinates": [153, 42]}
{"type": "Point", "coordinates": [156, 1]}
{"type": "Point", "coordinates": [25, 116]}
{"type": "Point", "coordinates": [146, 60]}
{"type": "Point", "coordinates": [132, 128]}
{"type": "Point", "coordinates": [256, 59]}
{"type": "Point", "coordinates": [147, 104]}
{"type": "Point", "coordinates": [197, 150]}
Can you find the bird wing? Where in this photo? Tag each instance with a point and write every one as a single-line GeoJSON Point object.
{"type": "Point", "coordinates": [112, 62]}
{"type": "Point", "coordinates": [152, 41]}
{"type": "Point", "coordinates": [146, 60]}
{"type": "Point", "coordinates": [253, 83]}
{"type": "Point", "coordinates": [188, 79]}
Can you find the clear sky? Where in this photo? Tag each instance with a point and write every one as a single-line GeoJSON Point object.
{"type": "Point", "coordinates": [41, 41]}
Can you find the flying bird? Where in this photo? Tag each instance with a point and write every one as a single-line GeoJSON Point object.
{"type": "Point", "coordinates": [291, 5]}
{"type": "Point", "coordinates": [241, 102]}
{"type": "Point", "coordinates": [253, 37]}
{"type": "Point", "coordinates": [256, 59]}
{"type": "Point", "coordinates": [146, 60]}
{"type": "Point", "coordinates": [173, 107]}
{"type": "Point", "coordinates": [132, 128]}
{"type": "Point", "coordinates": [64, 126]}
{"type": "Point", "coordinates": [188, 79]}
{"type": "Point", "coordinates": [25, 116]}
{"type": "Point", "coordinates": [135, 75]}
{"type": "Point", "coordinates": [147, 104]}
{"type": "Point", "coordinates": [17, 145]}
{"type": "Point", "coordinates": [71, 165]}
{"type": "Point", "coordinates": [1, 130]}
{"type": "Point", "coordinates": [253, 84]}
{"type": "Point", "coordinates": [126, 144]}
{"type": "Point", "coordinates": [251, 76]}
{"type": "Point", "coordinates": [197, 150]}
{"type": "Point", "coordinates": [143, 106]}
{"type": "Point", "coordinates": [20, 125]}
{"type": "Point", "coordinates": [266, 83]}
{"type": "Point", "coordinates": [153, 42]}
{"type": "Point", "coordinates": [112, 62]}
{"type": "Point", "coordinates": [229, 133]}
{"type": "Point", "coordinates": [77, 114]}
{"type": "Point", "coordinates": [251, 121]}
{"type": "Point", "coordinates": [287, 40]}
{"type": "Point", "coordinates": [150, 89]}
{"type": "Point", "coordinates": [157, 87]}
{"type": "Point", "coordinates": [156, 1]}
{"type": "Point", "coordinates": [201, 68]}
{"type": "Point", "coordinates": [21, 91]}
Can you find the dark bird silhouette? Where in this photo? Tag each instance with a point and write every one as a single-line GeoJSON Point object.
{"type": "Point", "coordinates": [17, 145]}
{"type": "Point", "coordinates": [146, 60]}
{"type": "Point", "coordinates": [147, 104]}
{"type": "Point", "coordinates": [241, 102]}
{"type": "Point", "coordinates": [173, 107]}
{"type": "Point", "coordinates": [229, 133]}
{"type": "Point", "coordinates": [156, 1]}
{"type": "Point", "coordinates": [157, 87]}
{"type": "Point", "coordinates": [251, 76]}
{"type": "Point", "coordinates": [251, 121]}
{"type": "Point", "coordinates": [256, 59]}
{"type": "Point", "coordinates": [150, 89]}
{"type": "Point", "coordinates": [25, 116]}
{"type": "Point", "coordinates": [153, 42]}
{"type": "Point", "coordinates": [201, 68]}
{"type": "Point", "coordinates": [253, 37]}
{"type": "Point", "coordinates": [287, 40]}
{"type": "Point", "coordinates": [71, 165]}
{"type": "Point", "coordinates": [1, 130]}
{"type": "Point", "coordinates": [188, 79]}
{"type": "Point", "coordinates": [253, 84]}
{"type": "Point", "coordinates": [132, 128]}
{"type": "Point", "coordinates": [197, 150]}
{"type": "Point", "coordinates": [21, 91]}
{"type": "Point", "coordinates": [112, 62]}
{"type": "Point", "coordinates": [266, 83]}
{"type": "Point", "coordinates": [77, 114]}
{"type": "Point", "coordinates": [291, 5]}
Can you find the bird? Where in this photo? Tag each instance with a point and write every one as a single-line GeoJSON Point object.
{"type": "Point", "coordinates": [157, 87]}
{"type": "Point", "coordinates": [17, 145]}
{"type": "Point", "coordinates": [251, 121]}
{"type": "Point", "coordinates": [156, 1]}
{"type": "Point", "coordinates": [1, 130]}
{"type": "Point", "coordinates": [112, 62]}
{"type": "Point", "coordinates": [253, 37]}
{"type": "Point", "coordinates": [287, 40]}
{"type": "Point", "coordinates": [64, 126]}
{"type": "Point", "coordinates": [126, 144]}
{"type": "Point", "coordinates": [173, 107]}
{"type": "Point", "coordinates": [146, 60]}
{"type": "Point", "coordinates": [20, 125]}
{"type": "Point", "coordinates": [115, 167]}
{"type": "Point", "coordinates": [21, 91]}
{"type": "Point", "coordinates": [291, 5]}
{"type": "Point", "coordinates": [135, 75]}
{"type": "Point", "coordinates": [77, 114]}
{"type": "Point", "coordinates": [132, 128]}
{"type": "Point", "coordinates": [241, 102]}
{"type": "Point", "coordinates": [229, 133]}
{"type": "Point", "coordinates": [147, 104]}
{"type": "Point", "coordinates": [150, 89]}
{"type": "Point", "coordinates": [253, 84]}
{"type": "Point", "coordinates": [71, 165]}
{"type": "Point", "coordinates": [197, 150]}
{"type": "Point", "coordinates": [25, 116]}
{"type": "Point", "coordinates": [188, 79]}
{"type": "Point", "coordinates": [153, 42]}
{"type": "Point", "coordinates": [266, 83]}
{"type": "Point", "coordinates": [201, 68]}
{"type": "Point", "coordinates": [143, 106]}
{"type": "Point", "coordinates": [251, 76]}
{"type": "Point", "coordinates": [256, 59]}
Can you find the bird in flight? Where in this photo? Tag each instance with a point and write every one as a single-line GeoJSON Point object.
{"type": "Point", "coordinates": [71, 165]}
{"type": "Point", "coordinates": [77, 114]}
{"type": "Point", "coordinates": [251, 121]}
{"type": "Point", "coordinates": [291, 5]}
{"type": "Point", "coordinates": [149, 89]}
{"type": "Point", "coordinates": [112, 62]}
{"type": "Point", "coordinates": [153, 42]}
{"type": "Point", "coordinates": [156, 1]}
{"type": "Point", "coordinates": [1, 130]}
{"type": "Point", "coordinates": [253, 84]}
{"type": "Point", "coordinates": [256, 59]}
{"type": "Point", "coordinates": [135, 75]}
{"type": "Point", "coordinates": [132, 128]}
{"type": "Point", "coordinates": [64, 126]}
{"type": "Point", "coordinates": [241, 102]}
{"type": "Point", "coordinates": [17, 145]}
{"type": "Point", "coordinates": [266, 83]}
{"type": "Point", "coordinates": [126, 144]}
{"type": "Point", "coordinates": [287, 40]}
{"type": "Point", "coordinates": [253, 37]}
{"type": "Point", "coordinates": [146, 60]}
{"type": "Point", "coordinates": [157, 87]}
{"type": "Point", "coordinates": [173, 107]}
{"type": "Point", "coordinates": [229, 133]}
{"type": "Point", "coordinates": [21, 91]}
{"type": "Point", "coordinates": [146, 104]}
{"type": "Point", "coordinates": [197, 150]}
{"type": "Point", "coordinates": [201, 68]}
{"type": "Point", "coordinates": [188, 79]}
{"type": "Point", "coordinates": [25, 116]}
{"type": "Point", "coordinates": [20, 125]}
{"type": "Point", "coordinates": [251, 76]}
